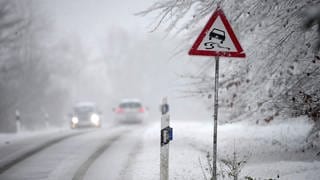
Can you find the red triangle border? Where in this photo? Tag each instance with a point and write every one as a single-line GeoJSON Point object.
{"type": "Point", "coordinates": [194, 49]}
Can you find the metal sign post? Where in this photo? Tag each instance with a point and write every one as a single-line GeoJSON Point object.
{"type": "Point", "coordinates": [165, 138]}
{"type": "Point", "coordinates": [215, 120]}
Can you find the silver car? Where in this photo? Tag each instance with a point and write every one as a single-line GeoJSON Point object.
{"type": "Point", "coordinates": [130, 111]}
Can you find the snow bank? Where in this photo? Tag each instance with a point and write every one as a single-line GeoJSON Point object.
{"type": "Point", "coordinates": [274, 149]}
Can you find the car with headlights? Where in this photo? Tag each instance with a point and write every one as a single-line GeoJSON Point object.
{"type": "Point", "coordinates": [130, 111]}
{"type": "Point", "coordinates": [85, 114]}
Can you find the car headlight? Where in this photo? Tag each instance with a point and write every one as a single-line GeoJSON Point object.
{"type": "Point", "coordinates": [95, 119]}
{"type": "Point", "coordinates": [74, 120]}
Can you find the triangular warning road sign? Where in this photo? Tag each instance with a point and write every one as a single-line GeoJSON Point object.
{"type": "Point", "coordinates": [217, 38]}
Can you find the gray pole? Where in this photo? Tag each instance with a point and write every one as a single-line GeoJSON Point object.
{"type": "Point", "coordinates": [215, 120]}
{"type": "Point", "coordinates": [18, 121]}
{"type": "Point", "coordinates": [164, 151]}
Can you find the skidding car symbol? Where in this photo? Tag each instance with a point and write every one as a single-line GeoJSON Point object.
{"type": "Point", "coordinates": [217, 34]}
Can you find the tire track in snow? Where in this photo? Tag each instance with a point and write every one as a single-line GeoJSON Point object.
{"type": "Point", "coordinates": [132, 157]}
{"type": "Point", "coordinates": [82, 170]}
{"type": "Point", "coordinates": [7, 164]}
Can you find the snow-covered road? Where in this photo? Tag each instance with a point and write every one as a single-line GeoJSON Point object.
{"type": "Point", "coordinates": [131, 152]}
{"type": "Point", "coordinates": [64, 159]}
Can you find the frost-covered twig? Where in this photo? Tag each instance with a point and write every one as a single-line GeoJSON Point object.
{"type": "Point", "coordinates": [202, 170]}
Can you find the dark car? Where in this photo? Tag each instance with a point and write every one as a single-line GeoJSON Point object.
{"type": "Point", "coordinates": [217, 34]}
{"type": "Point", "coordinates": [85, 114]}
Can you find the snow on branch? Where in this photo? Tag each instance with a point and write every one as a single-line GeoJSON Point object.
{"type": "Point", "coordinates": [174, 11]}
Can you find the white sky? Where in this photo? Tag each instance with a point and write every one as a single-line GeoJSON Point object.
{"type": "Point", "coordinates": [91, 19]}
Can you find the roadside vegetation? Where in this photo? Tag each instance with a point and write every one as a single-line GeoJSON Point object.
{"type": "Point", "coordinates": [280, 76]}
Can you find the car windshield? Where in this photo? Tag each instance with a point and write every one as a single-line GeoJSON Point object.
{"type": "Point", "coordinates": [219, 32]}
{"type": "Point", "coordinates": [84, 109]}
{"type": "Point", "coordinates": [130, 105]}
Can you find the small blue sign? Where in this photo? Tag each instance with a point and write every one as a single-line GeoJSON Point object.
{"type": "Point", "coordinates": [166, 135]}
{"type": "Point", "coordinates": [170, 133]}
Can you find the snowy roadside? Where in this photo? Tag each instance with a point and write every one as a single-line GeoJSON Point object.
{"type": "Point", "coordinates": [11, 138]}
{"type": "Point", "coordinates": [274, 149]}
{"type": "Point", "coordinates": [16, 147]}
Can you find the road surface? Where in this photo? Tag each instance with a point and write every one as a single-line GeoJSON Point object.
{"type": "Point", "coordinates": [132, 152]}
{"type": "Point", "coordinates": [77, 154]}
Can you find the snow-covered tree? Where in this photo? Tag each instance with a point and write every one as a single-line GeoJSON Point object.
{"type": "Point", "coordinates": [11, 26]}
{"type": "Point", "coordinates": [281, 69]}
{"type": "Point", "coordinates": [33, 67]}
